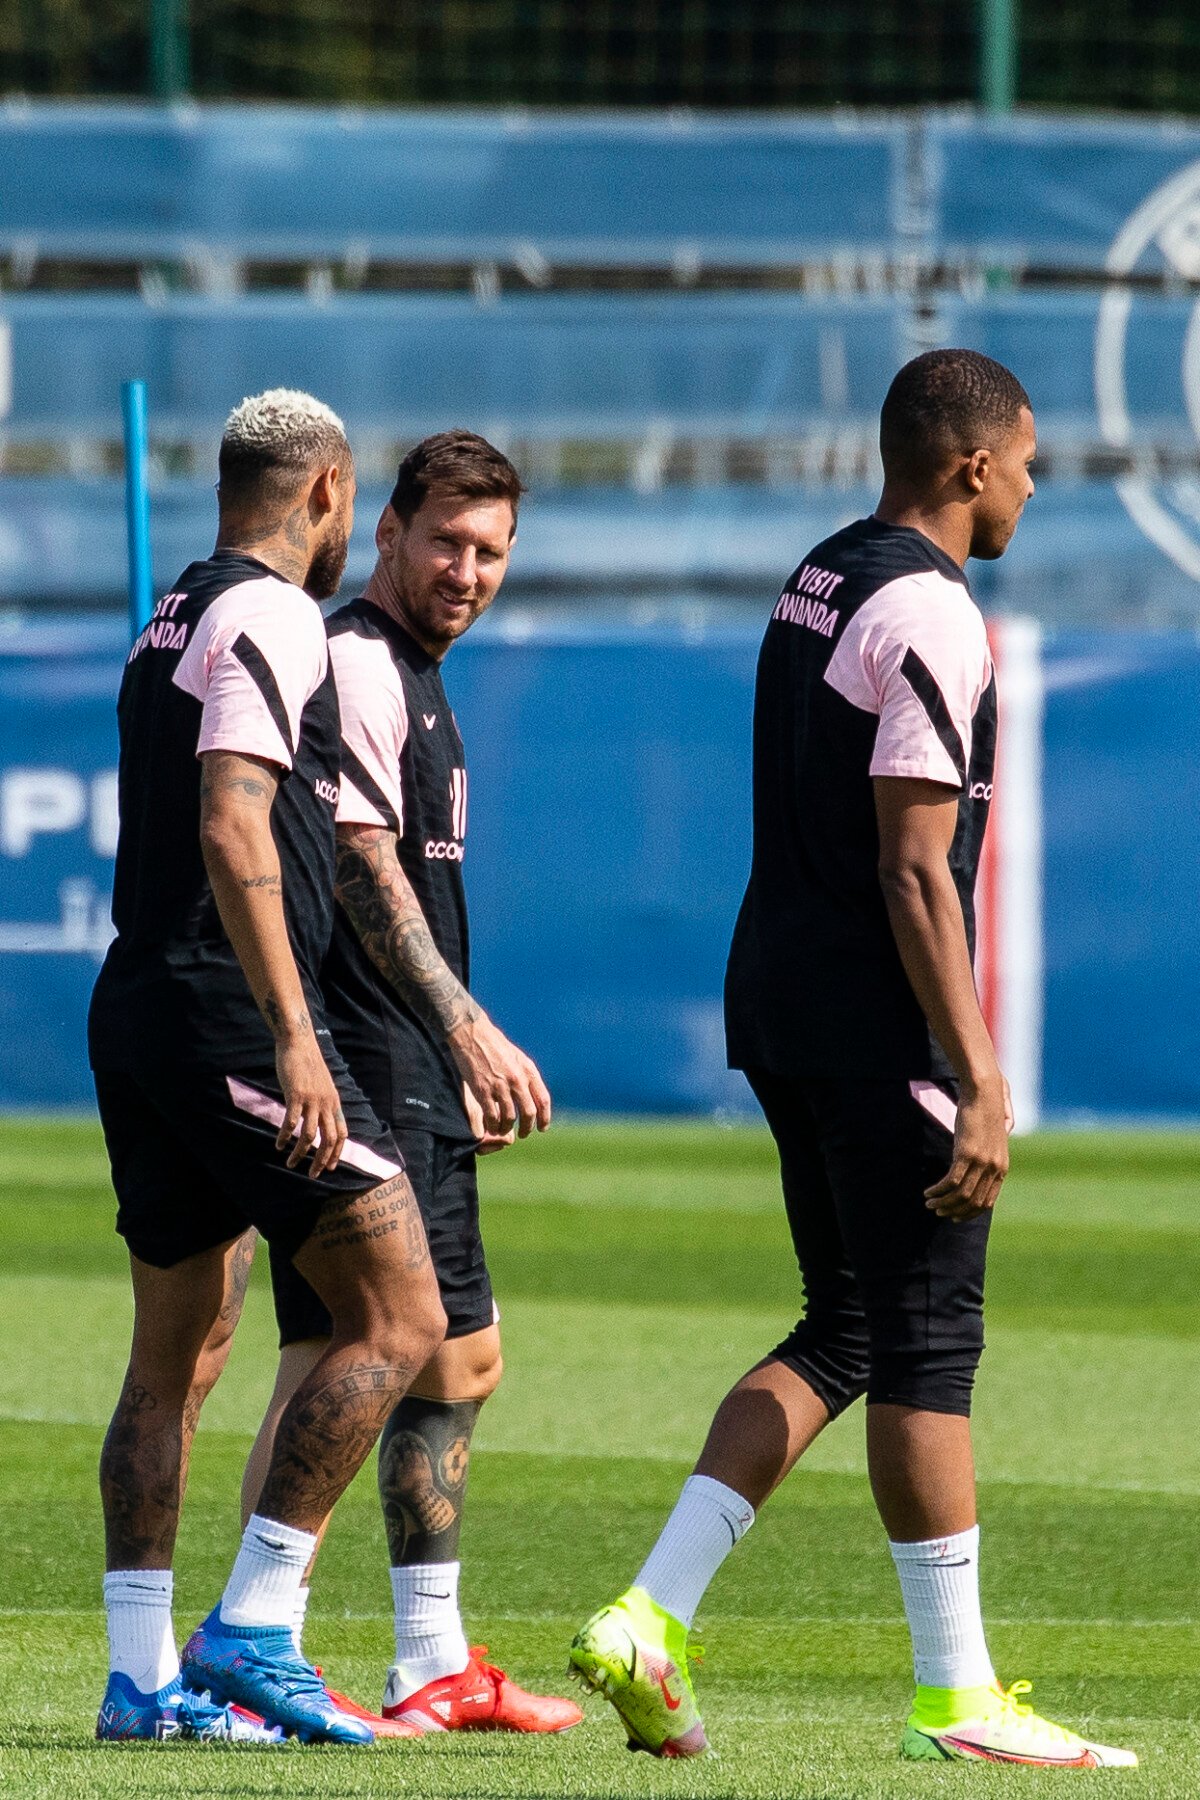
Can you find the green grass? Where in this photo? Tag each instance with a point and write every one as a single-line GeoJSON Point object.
{"type": "Point", "coordinates": [639, 1269]}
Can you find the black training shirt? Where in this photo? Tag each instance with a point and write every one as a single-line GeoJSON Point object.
{"type": "Point", "coordinates": [875, 662]}
{"type": "Point", "coordinates": [402, 767]}
{"type": "Point", "coordinates": [234, 659]}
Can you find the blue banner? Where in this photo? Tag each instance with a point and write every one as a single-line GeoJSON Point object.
{"type": "Point", "coordinates": [608, 844]}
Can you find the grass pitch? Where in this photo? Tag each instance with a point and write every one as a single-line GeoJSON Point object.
{"type": "Point", "coordinates": [640, 1269]}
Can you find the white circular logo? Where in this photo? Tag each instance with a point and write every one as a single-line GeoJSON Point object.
{"type": "Point", "coordinates": [1148, 351]}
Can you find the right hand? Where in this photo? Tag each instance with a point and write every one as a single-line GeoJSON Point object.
{"type": "Point", "coordinates": [313, 1118]}
{"type": "Point", "coordinates": [973, 1181]}
{"type": "Point", "coordinates": [505, 1082]}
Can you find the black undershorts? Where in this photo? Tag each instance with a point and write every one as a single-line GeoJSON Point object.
{"type": "Point", "coordinates": [894, 1294]}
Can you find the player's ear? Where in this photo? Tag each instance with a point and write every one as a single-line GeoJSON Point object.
{"type": "Point", "coordinates": [385, 531]}
{"type": "Point", "coordinates": [976, 470]}
{"type": "Point", "coordinates": [323, 494]}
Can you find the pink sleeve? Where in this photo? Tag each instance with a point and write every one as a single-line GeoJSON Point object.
{"type": "Point", "coordinates": [374, 732]}
{"type": "Point", "coordinates": [916, 655]}
{"type": "Point", "coordinates": [255, 660]}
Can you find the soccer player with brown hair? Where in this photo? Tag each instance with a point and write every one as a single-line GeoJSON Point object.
{"type": "Point", "coordinates": [442, 1075]}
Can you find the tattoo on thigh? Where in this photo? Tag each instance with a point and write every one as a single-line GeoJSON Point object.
{"type": "Point", "coordinates": [347, 1220]}
{"type": "Point", "coordinates": [325, 1436]}
{"type": "Point", "coordinates": [424, 1455]}
{"type": "Point", "coordinates": [240, 1264]}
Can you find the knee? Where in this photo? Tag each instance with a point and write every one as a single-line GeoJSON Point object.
{"type": "Point", "coordinates": [488, 1379]}
{"type": "Point", "coordinates": [481, 1376]}
{"type": "Point", "coordinates": [939, 1381]}
{"type": "Point", "coordinates": [409, 1339]}
{"type": "Point", "coordinates": [832, 1357]}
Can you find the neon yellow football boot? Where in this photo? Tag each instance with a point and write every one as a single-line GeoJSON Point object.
{"type": "Point", "coordinates": [635, 1654]}
{"type": "Point", "coordinates": [991, 1724]}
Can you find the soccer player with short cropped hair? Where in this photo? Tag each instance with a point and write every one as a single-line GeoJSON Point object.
{"type": "Point", "coordinates": [224, 1101]}
{"type": "Point", "coordinates": [432, 1063]}
{"type": "Point", "coordinates": [851, 1006]}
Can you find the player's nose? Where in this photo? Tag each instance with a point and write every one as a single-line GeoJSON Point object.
{"type": "Point", "coordinates": [462, 570]}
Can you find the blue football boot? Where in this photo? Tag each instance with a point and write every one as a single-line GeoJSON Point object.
{"type": "Point", "coordinates": [127, 1715]}
{"type": "Point", "coordinates": [257, 1666]}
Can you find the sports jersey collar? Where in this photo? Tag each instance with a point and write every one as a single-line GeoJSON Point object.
{"type": "Point", "coordinates": [415, 653]}
{"type": "Point", "coordinates": [226, 555]}
{"type": "Point", "coordinates": [944, 563]}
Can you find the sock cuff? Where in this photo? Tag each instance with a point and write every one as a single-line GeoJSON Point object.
{"type": "Point", "coordinates": [944, 1550]}
{"type": "Point", "coordinates": [422, 1590]}
{"type": "Point", "coordinates": [738, 1511]}
{"type": "Point", "coordinates": [139, 1587]}
{"type": "Point", "coordinates": [443, 1571]}
{"type": "Point", "coordinates": [286, 1542]}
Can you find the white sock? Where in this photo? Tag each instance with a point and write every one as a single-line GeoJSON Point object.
{"type": "Point", "coordinates": [267, 1574]}
{"type": "Point", "coordinates": [141, 1638]}
{"type": "Point", "coordinates": [299, 1616]}
{"type": "Point", "coordinates": [708, 1520]}
{"type": "Point", "coordinates": [429, 1633]}
{"type": "Point", "coordinates": [940, 1584]}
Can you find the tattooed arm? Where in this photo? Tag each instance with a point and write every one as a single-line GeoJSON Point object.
{"type": "Point", "coordinates": [386, 914]}
{"type": "Point", "coordinates": [236, 794]}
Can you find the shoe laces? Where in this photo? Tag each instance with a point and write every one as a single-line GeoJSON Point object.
{"type": "Point", "coordinates": [298, 1676]}
{"type": "Point", "coordinates": [1025, 1715]}
{"type": "Point", "coordinates": [478, 1655]}
{"type": "Point", "coordinates": [203, 1715]}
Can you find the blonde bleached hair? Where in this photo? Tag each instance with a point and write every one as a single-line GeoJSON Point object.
{"type": "Point", "coordinates": [271, 441]}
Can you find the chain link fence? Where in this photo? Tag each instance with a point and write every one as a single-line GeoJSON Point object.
{"type": "Point", "coordinates": [1138, 55]}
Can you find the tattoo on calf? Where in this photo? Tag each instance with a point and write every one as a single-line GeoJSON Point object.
{"type": "Point", "coordinates": [325, 1436]}
{"type": "Point", "coordinates": [424, 1455]}
{"type": "Point", "coordinates": [141, 1473]}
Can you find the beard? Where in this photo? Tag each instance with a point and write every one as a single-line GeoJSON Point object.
{"type": "Point", "coordinates": [328, 563]}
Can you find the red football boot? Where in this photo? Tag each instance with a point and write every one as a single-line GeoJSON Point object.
{"type": "Point", "coordinates": [482, 1698]}
{"type": "Point", "coordinates": [383, 1728]}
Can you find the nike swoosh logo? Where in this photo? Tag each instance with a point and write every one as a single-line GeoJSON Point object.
{"type": "Point", "coordinates": [672, 1705]}
{"type": "Point", "coordinates": [427, 1594]}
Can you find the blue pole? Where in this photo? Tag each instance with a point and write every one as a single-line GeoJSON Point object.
{"type": "Point", "coordinates": [137, 505]}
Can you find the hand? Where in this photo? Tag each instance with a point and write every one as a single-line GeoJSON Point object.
{"type": "Point", "coordinates": [313, 1118]}
{"type": "Point", "coordinates": [505, 1082]}
{"type": "Point", "coordinates": [486, 1142]}
{"type": "Point", "coordinates": [974, 1179]}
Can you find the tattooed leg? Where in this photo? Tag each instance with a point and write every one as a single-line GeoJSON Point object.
{"type": "Point", "coordinates": [426, 1446]}
{"type": "Point", "coordinates": [179, 1348]}
{"type": "Point", "coordinates": [423, 1459]}
{"type": "Point", "coordinates": [368, 1260]}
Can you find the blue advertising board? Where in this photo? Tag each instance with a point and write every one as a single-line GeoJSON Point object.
{"type": "Point", "coordinates": [609, 841]}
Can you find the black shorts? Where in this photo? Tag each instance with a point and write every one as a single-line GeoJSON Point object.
{"type": "Point", "coordinates": [894, 1294]}
{"type": "Point", "coordinates": [194, 1161]}
{"type": "Point", "coordinates": [442, 1172]}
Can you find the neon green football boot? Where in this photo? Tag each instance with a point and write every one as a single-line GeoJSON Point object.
{"type": "Point", "coordinates": [991, 1724]}
{"type": "Point", "coordinates": [635, 1654]}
